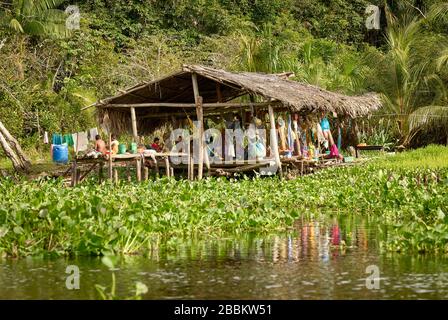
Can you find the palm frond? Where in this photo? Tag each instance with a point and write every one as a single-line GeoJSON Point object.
{"type": "Point", "coordinates": [442, 61]}
{"type": "Point", "coordinates": [438, 12]}
{"type": "Point", "coordinates": [429, 117]}
{"type": "Point", "coordinates": [52, 15]}
{"type": "Point", "coordinates": [15, 25]}
{"type": "Point", "coordinates": [34, 27]}
{"type": "Point", "coordinates": [33, 7]}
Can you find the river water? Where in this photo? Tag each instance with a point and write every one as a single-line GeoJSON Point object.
{"type": "Point", "coordinates": [333, 258]}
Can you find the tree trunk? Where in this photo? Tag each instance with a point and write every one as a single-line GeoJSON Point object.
{"type": "Point", "coordinates": [16, 162]}
{"type": "Point", "coordinates": [14, 144]}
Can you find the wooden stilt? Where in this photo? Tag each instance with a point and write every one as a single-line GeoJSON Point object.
{"type": "Point", "coordinates": [78, 175]}
{"type": "Point", "coordinates": [138, 168]}
{"type": "Point", "coordinates": [192, 168]}
{"type": "Point", "coordinates": [274, 141]}
{"type": "Point", "coordinates": [189, 164]}
{"type": "Point", "coordinates": [167, 167]}
{"type": "Point", "coordinates": [110, 157]}
{"type": "Point", "coordinates": [199, 114]}
{"type": "Point", "coordinates": [207, 160]}
{"type": "Point", "coordinates": [115, 175]}
{"type": "Point", "coordinates": [74, 169]}
{"type": "Point", "coordinates": [134, 124]}
{"type": "Point", "coordinates": [145, 173]}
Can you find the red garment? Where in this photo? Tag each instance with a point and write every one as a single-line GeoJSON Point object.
{"type": "Point", "coordinates": [156, 147]}
{"type": "Point", "coordinates": [334, 152]}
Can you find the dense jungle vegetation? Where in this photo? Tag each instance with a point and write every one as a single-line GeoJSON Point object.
{"type": "Point", "coordinates": [48, 72]}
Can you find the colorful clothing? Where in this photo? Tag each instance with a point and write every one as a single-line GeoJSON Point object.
{"type": "Point", "coordinates": [325, 124]}
{"type": "Point", "coordinates": [114, 146]}
{"type": "Point", "coordinates": [156, 147]}
{"type": "Point", "coordinates": [56, 138]}
{"type": "Point", "coordinates": [334, 152]}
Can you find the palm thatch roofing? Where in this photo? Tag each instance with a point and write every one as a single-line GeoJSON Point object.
{"type": "Point", "coordinates": [154, 101]}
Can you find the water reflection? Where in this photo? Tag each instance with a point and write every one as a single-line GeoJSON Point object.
{"type": "Point", "coordinates": [319, 259]}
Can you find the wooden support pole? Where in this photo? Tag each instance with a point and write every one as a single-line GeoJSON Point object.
{"type": "Point", "coordinates": [297, 139]}
{"type": "Point", "coordinates": [189, 162]}
{"type": "Point", "coordinates": [134, 124]}
{"type": "Point", "coordinates": [142, 168]}
{"type": "Point", "coordinates": [167, 167]}
{"type": "Point", "coordinates": [145, 173]}
{"type": "Point", "coordinates": [200, 116]}
{"type": "Point", "coordinates": [218, 92]}
{"type": "Point", "coordinates": [115, 175]}
{"type": "Point", "coordinates": [192, 167]}
{"type": "Point", "coordinates": [78, 175]}
{"type": "Point", "coordinates": [138, 168]}
{"type": "Point", "coordinates": [74, 169]}
{"type": "Point", "coordinates": [207, 160]}
{"type": "Point", "coordinates": [110, 157]}
{"type": "Point", "coordinates": [274, 141]}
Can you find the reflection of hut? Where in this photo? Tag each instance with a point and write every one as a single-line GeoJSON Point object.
{"type": "Point", "coordinates": [198, 91]}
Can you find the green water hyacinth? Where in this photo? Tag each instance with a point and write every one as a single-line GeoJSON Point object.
{"type": "Point", "coordinates": [408, 192]}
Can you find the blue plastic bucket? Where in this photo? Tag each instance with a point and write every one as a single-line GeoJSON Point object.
{"type": "Point", "coordinates": [60, 153]}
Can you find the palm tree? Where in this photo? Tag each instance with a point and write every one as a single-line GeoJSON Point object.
{"type": "Point", "coordinates": [35, 17]}
{"type": "Point", "coordinates": [410, 80]}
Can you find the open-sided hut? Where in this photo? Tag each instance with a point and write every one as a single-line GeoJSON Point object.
{"type": "Point", "coordinates": [199, 91]}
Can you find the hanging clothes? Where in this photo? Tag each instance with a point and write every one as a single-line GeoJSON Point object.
{"type": "Point", "coordinates": [93, 133]}
{"type": "Point", "coordinates": [80, 141]}
{"type": "Point", "coordinates": [295, 126]}
{"type": "Point", "coordinates": [320, 134]}
{"type": "Point", "coordinates": [282, 133]}
{"type": "Point", "coordinates": [46, 141]}
{"type": "Point", "coordinates": [56, 138]}
{"type": "Point", "coordinates": [229, 152]}
{"type": "Point", "coordinates": [68, 139]}
{"type": "Point", "coordinates": [339, 137]}
{"type": "Point", "coordinates": [291, 137]}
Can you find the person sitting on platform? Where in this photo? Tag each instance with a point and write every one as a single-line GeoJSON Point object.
{"type": "Point", "coordinates": [156, 145]}
{"type": "Point", "coordinates": [334, 153]}
{"type": "Point", "coordinates": [114, 144]}
{"type": "Point", "coordinates": [100, 145]}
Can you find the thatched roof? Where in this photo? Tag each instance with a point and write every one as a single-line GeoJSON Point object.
{"type": "Point", "coordinates": [299, 97]}
{"type": "Point", "coordinates": [177, 88]}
